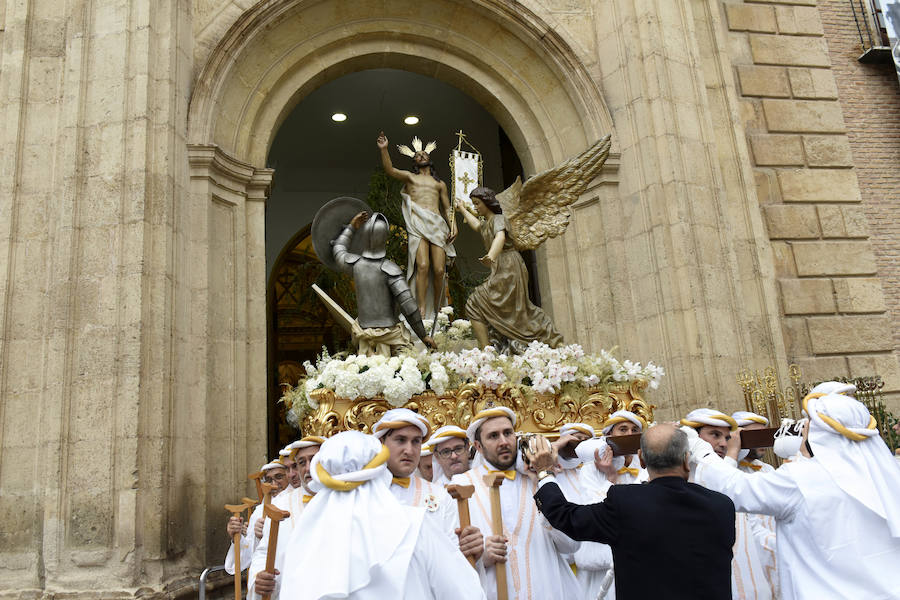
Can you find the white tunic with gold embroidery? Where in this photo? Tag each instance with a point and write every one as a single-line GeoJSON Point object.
{"type": "Point", "coordinates": [748, 564]}
{"type": "Point", "coordinates": [762, 529]}
{"type": "Point", "coordinates": [592, 560]}
{"type": "Point", "coordinates": [439, 506]}
{"type": "Point", "coordinates": [535, 569]}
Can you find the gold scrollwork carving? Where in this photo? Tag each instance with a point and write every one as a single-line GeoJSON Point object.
{"type": "Point", "coordinates": [363, 414]}
{"type": "Point", "coordinates": [539, 413]}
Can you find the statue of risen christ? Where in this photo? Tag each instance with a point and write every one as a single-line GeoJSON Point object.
{"type": "Point", "coordinates": [430, 234]}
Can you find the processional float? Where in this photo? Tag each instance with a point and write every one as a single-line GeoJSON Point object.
{"type": "Point", "coordinates": [453, 380]}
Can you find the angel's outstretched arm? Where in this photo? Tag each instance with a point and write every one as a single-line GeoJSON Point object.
{"type": "Point", "coordinates": [471, 220]}
{"type": "Point", "coordinates": [496, 248]}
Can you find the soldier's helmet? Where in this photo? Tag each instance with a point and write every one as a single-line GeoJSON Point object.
{"type": "Point", "coordinates": [375, 233]}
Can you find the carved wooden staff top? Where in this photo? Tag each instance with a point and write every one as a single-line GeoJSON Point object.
{"type": "Point", "coordinates": [462, 493]}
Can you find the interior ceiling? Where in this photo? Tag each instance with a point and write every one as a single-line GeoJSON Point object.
{"type": "Point", "coordinates": [373, 101]}
{"type": "Point", "coordinates": [316, 159]}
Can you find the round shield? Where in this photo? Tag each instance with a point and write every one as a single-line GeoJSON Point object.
{"type": "Point", "coordinates": [328, 223]}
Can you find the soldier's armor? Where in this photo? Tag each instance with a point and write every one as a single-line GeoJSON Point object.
{"type": "Point", "coordinates": [381, 289]}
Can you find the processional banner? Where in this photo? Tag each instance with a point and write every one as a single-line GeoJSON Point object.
{"type": "Point", "coordinates": [466, 171]}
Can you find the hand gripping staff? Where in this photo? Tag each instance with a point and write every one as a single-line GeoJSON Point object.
{"type": "Point", "coordinates": [276, 516]}
{"type": "Point", "coordinates": [493, 481]}
{"type": "Point", "coordinates": [236, 510]}
{"type": "Point", "coordinates": [462, 493]}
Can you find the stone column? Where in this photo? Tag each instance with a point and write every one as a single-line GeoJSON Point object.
{"type": "Point", "coordinates": [131, 306]}
{"type": "Point", "coordinates": [222, 356]}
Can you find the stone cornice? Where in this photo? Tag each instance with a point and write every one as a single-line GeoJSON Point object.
{"type": "Point", "coordinates": [208, 161]}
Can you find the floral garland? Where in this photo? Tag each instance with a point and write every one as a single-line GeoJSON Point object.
{"type": "Point", "coordinates": [540, 369]}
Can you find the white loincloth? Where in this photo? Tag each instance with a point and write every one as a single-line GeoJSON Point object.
{"type": "Point", "coordinates": [423, 223]}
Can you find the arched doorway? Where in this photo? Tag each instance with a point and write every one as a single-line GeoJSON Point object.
{"type": "Point", "coordinates": [316, 159]}
{"type": "Point", "coordinates": [509, 60]}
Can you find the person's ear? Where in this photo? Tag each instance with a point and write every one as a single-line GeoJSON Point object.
{"type": "Point", "coordinates": [686, 462]}
{"type": "Point", "coordinates": [477, 445]}
{"type": "Point", "coordinates": [641, 459]}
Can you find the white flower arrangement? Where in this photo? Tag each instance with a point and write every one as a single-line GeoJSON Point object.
{"type": "Point", "coordinates": [450, 334]}
{"type": "Point", "coordinates": [540, 369]}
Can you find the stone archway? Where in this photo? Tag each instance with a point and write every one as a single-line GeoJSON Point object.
{"type": "Point", "coordinates": [509, 60]}
{"type": "Point", "coordinates": [527, 76]}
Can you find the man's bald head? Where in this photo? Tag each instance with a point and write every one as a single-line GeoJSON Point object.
{"type": "Point", "coordinates": [664, 451]}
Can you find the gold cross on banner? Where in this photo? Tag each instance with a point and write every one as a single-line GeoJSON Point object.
{"type": "Point", "coordinates": [466, 180]}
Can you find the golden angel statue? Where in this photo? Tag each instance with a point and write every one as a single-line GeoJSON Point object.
{"type": "Point", "coordinates": [521, 218]}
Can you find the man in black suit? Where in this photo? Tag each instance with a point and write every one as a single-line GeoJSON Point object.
{"type": "Point", "coordinates": [670, 539]}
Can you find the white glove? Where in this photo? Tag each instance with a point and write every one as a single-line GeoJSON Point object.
{"type": "Point", "coordinates": [699, 448]}
{"type": "Point", "coordinates": [691, 433]}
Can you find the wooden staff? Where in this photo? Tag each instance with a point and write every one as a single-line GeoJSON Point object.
{"type": "Point", "coordinates": [257, 479]}
{"type": "Point", "coordinates": [236, 510]}
{"type": "Point", "coordinates": [276, 517]}
{"type": "Point", "coordinates": [462, 493]}
{"type": "Point", "coordinates": [250, 503]}
{"type": "Point", "coordinates": [267, 492]}
{"type": "Point", "coordinates": [493, 481]}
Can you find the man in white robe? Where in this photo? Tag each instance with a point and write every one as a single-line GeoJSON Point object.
{"type": "Point", "coordinates": [354, 540]}
{"type": "Point", "coordinates": [749, 557]}
{"type": "Point", "coordinates": [592, 561]}
{"type": "Point", "coordinates": [761, 527]}
{"type": "Point", "coordinates": [529, 548]}
{"type": "Point", "coordinates": [293, 500]}
{"type": "Point", "coordinates": [425, 469]}
{"type": "Point", "coordinates": [286, 457]}
{"type": "Point", "coordinates": [606, 470]}
{"type": "Point", "coordinates": [602, 470]}
{"type": "Point", "coordinates": [450, 452]}
{"type": "Point", "coordinates": [837, 513]}
{"type": "Point", "coordinates": [275, 474]}
{"type": "Point", "coordinates": [402, 431]}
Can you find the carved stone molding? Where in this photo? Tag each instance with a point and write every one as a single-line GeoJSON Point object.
{"type": "Point", "coordinates": [540, 413]}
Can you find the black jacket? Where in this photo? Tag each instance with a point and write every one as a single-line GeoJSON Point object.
{"type": "Point", "coordinates": [670, 539]}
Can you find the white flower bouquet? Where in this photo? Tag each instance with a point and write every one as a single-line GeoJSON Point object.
{"type": "Point", "coordinates": [539, 370]}
{"type": "Point", "coordinates": [450, 334]}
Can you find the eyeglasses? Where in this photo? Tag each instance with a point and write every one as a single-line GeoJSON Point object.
{"type": "Point", "coordinates": [448, 452]}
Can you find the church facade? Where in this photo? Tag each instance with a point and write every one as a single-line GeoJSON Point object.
{"type": "Point", "coordinates": [744, 219]}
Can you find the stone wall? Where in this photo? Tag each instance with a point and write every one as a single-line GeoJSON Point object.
{"type": "Point", "coordinates": [728, 230]}
{"type": "Point", "coordinates": [93, 159]}
{"type": "Point", "coordinates": [870, 98]}
{"type": "Point", "coordinates": [129, 352]}
{"type": "Point", "coordinates": [835, 315]}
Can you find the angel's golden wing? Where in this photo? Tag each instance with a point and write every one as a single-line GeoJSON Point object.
{"type": "Point", "coordinates": [539, 208]}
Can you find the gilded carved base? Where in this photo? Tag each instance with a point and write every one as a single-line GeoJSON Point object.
{"type": "Point", "coordinates": [539, 413]}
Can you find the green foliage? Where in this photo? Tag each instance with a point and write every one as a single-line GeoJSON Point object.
{"type": "Point", "coordinates": [461, 285]}
{"type": "Point", "coordinates": [384, 197]}
{"type": "Point", "coordinates": [887, 421]}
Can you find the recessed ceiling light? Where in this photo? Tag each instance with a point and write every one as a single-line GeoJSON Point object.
{"type": "Point", "coordinates": [338, 117]}
{"type": "Point", "coordinates": [411, 120]}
